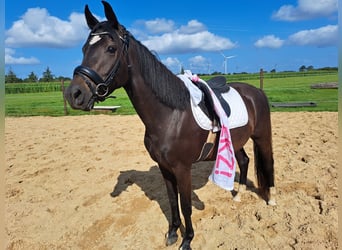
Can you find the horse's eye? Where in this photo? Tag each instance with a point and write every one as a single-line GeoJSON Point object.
{"type": "Point", "coordinates": [111, 49]}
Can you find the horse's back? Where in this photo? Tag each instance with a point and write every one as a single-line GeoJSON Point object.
{"type": "Point", "coordinates": [248, 89]}
{"type": "Point", "coordinates": [257, 106]}
{"type": "Point", "coordinates": [254, 97]}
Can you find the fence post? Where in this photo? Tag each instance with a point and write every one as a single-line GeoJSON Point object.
{"type": "Point", "coordinates": [65, 104]}
{"type": "Point", "coordinates": [261, 78]}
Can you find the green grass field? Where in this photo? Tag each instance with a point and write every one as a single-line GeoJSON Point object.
{"type": "Point", "coordinates": [297, 89]}
{"type": "Point", "coordinates": [288, 89]}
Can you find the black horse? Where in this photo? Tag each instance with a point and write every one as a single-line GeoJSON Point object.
{"type": "Point", "coordinates": [113, 58]}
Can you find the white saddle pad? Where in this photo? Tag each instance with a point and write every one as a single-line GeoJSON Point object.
{"type": "Point", "coordinates": [238, 112]}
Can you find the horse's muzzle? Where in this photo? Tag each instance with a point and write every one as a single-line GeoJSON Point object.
{"type": "Point", "coordinates": [79, 97]}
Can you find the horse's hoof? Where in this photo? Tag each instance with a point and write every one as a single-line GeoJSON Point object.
{"type": "Point", "coordinates": [272, 202]}
{"type": "Point", "coordinates": [185, 248]}
{"type": "Point", "coordinates": [171, 239]}
{"type": "Point", "coordinates": [237, 197]}
{"type": "Point", "coordinates": [241, 190]}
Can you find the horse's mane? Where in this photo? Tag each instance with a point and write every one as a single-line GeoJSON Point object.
{"type": "Point", "coordinates": [168, 88]}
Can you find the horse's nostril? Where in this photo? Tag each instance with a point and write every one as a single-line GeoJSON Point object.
{"type": "Point", "coordinates": [76, 93]}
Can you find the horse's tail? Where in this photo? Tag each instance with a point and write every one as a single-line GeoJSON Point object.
{"type": "Point", "coordinates": [262, 172]}
{"type": "Point", "coordinates": [263, 155]}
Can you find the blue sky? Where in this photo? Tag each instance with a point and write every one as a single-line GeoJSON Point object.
{"type": "Point", "coordinates": [281, 35]}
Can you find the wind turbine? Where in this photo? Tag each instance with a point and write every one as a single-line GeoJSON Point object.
{"type": "Point", "coordinates": [226, 61]}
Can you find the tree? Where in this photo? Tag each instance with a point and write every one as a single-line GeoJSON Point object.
{"type": "Point", "coordinates": [47, 76]}
{"type": "Point", "coordinates": [302, 68]}
{"type": "Point", "coordinates": [11, 77]}
{"type": "Point", "coordinates": [310, 68]}
{"type": "Point", "coordinates": [32, 77]}
{"type": "Point", "coordinates": [60, 78]}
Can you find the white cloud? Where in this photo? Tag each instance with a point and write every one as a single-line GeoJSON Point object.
{"type": "Point", "coordinates": [176, 42]}
{"type": "Point", "coordinates": [306, 9]}
{"type": "Point", "coordinates": [184, 43]}
{"type": "Point", "coordinates": [321, 37]}
{"type": "Point", "coordinates": [189, 38]}
{"type": "Point", "coordinates": [193, 26]}
{"type": "Point", "coordinates": [269, 41]}
{"type": "Point", "coordinates": [198, 63]}
{"type": "Point", "coordinates": [159, 25]}
{"type": "Point", "coordinates": [198, 60]}
{"type": "Point", "coordinates": [171, 62]}
{"type": "Point", "coordinates": [11, 59]}
{"type": "Point", "coordinates": [37, 28]}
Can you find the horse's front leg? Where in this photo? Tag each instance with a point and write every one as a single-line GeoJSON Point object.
{"type": "Point", "coordinates": [172, 192]}
{"type": "Point", "coordinates": [184, 188]}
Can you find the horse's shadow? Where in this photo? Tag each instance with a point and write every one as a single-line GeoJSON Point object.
{"type": "Point", "coordinates": [152, 184]}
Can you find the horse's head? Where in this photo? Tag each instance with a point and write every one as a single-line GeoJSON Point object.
{"type": "Point", "coordinates": [105, 65]}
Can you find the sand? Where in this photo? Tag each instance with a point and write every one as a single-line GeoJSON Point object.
{"type": "Point", "coordinates": [87, 182]}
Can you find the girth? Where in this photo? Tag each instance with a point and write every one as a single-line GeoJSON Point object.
{"type": "Point", "coordinates": [208, 147]}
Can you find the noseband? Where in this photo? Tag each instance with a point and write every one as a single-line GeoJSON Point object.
{"type": "Point", "coordinates": [101, 91]}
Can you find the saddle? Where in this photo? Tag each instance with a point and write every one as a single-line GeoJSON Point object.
{"type": "Point", "coordinates": [218, 85]}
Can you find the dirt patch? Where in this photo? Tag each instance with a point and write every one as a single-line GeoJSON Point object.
{"type": "Point", "coordinates": [87, 182]}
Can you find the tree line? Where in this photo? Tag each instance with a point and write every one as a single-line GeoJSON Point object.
{"type": "Point", "coordinates": [47, 76]}
{"type": "Point", "coordinates": [11, 77]}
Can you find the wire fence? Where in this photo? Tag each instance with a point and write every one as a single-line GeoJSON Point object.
{"type": "Point", "coordinates": [32, 99]}
{"type": "Point", "coordinates": [20, 88]}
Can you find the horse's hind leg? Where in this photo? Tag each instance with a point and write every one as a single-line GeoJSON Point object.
{"type": "Point", "coordinates": [243, 161]}
{"type": "Point", "coordinates": [172, 192]}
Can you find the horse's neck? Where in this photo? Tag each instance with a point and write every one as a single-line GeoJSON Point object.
{"type": "Point", "coordinates": [144, 101]}
{"type": "Point", "coordinates": [151, 95]}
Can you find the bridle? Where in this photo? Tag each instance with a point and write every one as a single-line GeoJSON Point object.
{"type": "Point", "coordinates": [101, 90]}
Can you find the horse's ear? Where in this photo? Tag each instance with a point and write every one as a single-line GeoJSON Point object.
{"type": "Point", "coordinates": [91, 20]}
{"type": "Point", "coordinates": [111, 17]}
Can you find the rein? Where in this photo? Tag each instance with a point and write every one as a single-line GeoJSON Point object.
{"type": "Point", "coordinates": [102, 86]}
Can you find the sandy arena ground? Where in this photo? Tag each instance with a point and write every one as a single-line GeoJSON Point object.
{"type": "Point", "coordinates": [87, 182]}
